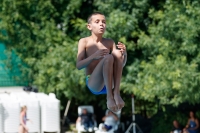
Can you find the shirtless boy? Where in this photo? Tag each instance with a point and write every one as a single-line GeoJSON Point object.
{"type": "Point", "coordinates": [102, 61]}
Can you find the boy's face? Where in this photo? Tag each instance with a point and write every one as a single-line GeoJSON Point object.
{"type": "Point", "coordinates": [175, 123]}
{"type": "Point", "coordinates": [84, 111]}
{"type": "Point", "coordinates": [97, 24]}
{"type": "Point", "coordinates": [191, 114]}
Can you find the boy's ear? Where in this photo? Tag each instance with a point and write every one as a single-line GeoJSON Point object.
{"type": "Point", "coordinates": [89, 26]}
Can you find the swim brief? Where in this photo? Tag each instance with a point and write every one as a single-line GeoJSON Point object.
{"type": "Point", "coordinates": [103, 91]}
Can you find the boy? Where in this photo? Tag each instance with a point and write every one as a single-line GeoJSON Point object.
{"type": "Point", "coordinates": [86, 119]}
{"type": "Point", "coordinates": [102, 61]}
{"type": "Point", "coordinates": [176, 127]}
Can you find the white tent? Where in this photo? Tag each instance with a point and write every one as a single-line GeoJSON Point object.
{"type": "Point", "coordinates": [50, 114]}
{"type": "Point", "coordinates": [11, 110]}
{"type": "Point", "coordinates": [43, 111]}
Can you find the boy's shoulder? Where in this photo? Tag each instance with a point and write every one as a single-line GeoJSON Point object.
{"type": "Point", "coordinates": [84, 39]}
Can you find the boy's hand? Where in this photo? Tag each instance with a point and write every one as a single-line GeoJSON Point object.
{"type": "Point", "coordinates": [100, 53]}
{"type": "Point", "coordinates": [122, 48]}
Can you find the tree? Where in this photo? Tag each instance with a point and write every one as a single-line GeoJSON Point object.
{"type": "Point", "coordinates": [169, 68]}
{"type": "Point", "coordinates": [40, 33]}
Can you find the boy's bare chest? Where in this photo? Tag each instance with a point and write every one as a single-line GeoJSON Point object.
{"type": "Point", "coordinates": [92, 48]}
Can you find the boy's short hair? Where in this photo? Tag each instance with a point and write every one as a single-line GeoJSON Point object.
{"type": "Point", "coordinates": [90, 17]}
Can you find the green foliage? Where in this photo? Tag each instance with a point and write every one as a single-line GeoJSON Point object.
{"type": "Point", "coordinates": [45, 37]}
{"type": "Point", "coordinates": [169, 68]}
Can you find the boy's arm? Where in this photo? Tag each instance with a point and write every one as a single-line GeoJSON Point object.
{"type": "Point", "coordinates": [125, 59]}
{"type": "Point", "coordinates": [81, 61]}
{"type": "Point", "coordinates": [120, 46]}
{"type": "Point", "coordinates": [104, 118]}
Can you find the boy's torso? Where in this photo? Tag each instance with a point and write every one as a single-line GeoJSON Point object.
{"type": "Point", "coordinates": [91, 47]}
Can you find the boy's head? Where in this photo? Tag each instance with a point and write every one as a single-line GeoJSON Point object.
{"type": "Point", "coordinates": [84, 111]}
{"type": "Point", "coordinates": [96, 23]}
{"type": "Point", "coordinates": [93, 14]}
{"type": "Point", "coordinates": [176, 124]}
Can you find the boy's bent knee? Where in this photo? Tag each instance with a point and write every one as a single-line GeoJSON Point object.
{"type": "Point", "coordinates": [117, 54]}
{"type": "Point", "coordinates": [109, 58]}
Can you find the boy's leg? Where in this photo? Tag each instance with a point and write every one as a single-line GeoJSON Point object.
{"type": "Point", "coordinates": [117, 73]}
{"type": "Point", "coordinates": [103, 75]}
{"type": "Point", "coordinates": [91, 124]}
{"type": "Point", "coordinates": [85, 125]}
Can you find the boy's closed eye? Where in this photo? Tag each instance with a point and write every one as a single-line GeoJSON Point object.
{"type": "Point", "coordinates": [97, 21]}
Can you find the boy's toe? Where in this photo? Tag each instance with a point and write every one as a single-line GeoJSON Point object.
{"type": "Point", "coordinates": [113, 108]}
{"type": "Point", "coordinates": [120, 106]}
{"type": "Point", "coordinates": [111, 105]}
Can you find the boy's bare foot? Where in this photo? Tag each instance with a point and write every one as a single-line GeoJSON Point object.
{"type": "Point", "coordinates": [111, 105]}
{"type": "Point", "coordinates": [119, 101]}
